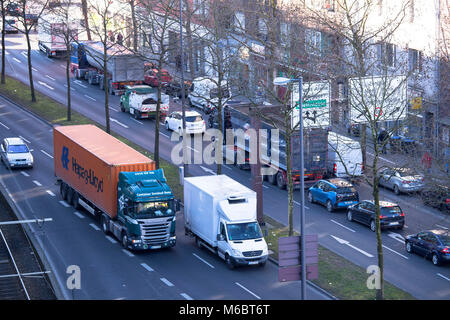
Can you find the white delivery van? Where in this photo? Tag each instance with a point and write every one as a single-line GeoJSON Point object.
{"type": "Point", "coordinates": [221, 214]}
{"type": "Point", "coordinates": [344, 156]}
{"type": "Point", "coordinates": [204, 91]}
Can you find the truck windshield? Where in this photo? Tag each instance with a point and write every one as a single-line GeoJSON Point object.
{"type": "Point", "coordinates": [154, 209]}
{"type": "Point", "coordinates": [243, 231]}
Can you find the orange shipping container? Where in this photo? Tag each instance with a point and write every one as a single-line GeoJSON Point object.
{"type": "Point", "coordinates": [89, 160]}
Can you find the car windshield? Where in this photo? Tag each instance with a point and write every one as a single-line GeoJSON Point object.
{"type": "Point", "coordinates": [154, 209]}
{"type": "Point", "coordinates": [194, 118]}
{"type": "Point", "coordinates": [405, 173]}
{"type": "Point", "coordinates": [243, 231]}
{"type": "Point", "coordinates": [390, 210]}
{"type": "Point", "coordinates": [18, 148]}
{"type": "Point", "coordinates": [342, 190]}
{"type": "Point", "coordinates": [445, 240]}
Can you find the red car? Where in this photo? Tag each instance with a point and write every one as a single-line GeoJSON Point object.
{"type": "Point", "coordinates": [151, 77]}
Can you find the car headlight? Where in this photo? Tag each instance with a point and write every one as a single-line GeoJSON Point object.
{"type": "Point", "coordinates": [236, 253]}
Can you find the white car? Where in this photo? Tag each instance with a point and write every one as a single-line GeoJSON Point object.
{"type": "Point", "coordinates": [14, 153]}
{"type": "Point", "coordinates": [194, 122]}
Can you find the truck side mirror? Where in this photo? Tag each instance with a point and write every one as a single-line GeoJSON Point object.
{"type": "Point", "coordinates": [220, 237]}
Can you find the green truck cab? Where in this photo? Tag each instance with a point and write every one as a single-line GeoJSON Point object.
{"type": "Point", "coordinates": [141, 101]}
{"type": "Point", "coordinates": [146, 210]}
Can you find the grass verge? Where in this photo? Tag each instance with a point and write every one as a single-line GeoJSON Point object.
{"type": "Point", "coordinates": [337, 275]}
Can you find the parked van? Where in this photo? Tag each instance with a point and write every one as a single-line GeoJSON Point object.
{"type": "Point", "coordinates": [344, 156]}
{"type": "Point", "coordinates": [204, 92]}
{"type": "Point", "coordinates": [11, 24]}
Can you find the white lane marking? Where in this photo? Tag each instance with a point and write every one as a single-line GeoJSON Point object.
{"type": "Point", "coordinates": [51, 78]}
{"type": "Point", "coordinates": [89, 97]}
{"type": "Point", "coordinates": [94, 226]}
{"type": "Point", "coordinates": [240, 285]}
{"type": "Point", "coordinates": [128, 253]}
{"type": "Point", "coordinates": [119, 123]}
{"type": "Point", "coordinates": [298, 203]}
{"type": "Point", "coordinates": [395, 252]}
{"type": "Point", "coordinates": [62, 66]}
{"type": "Point", "coordinates": [4, 125]}
{"type": "Point", "coordinates": [438, 225]}
{"type": "Point", "coordinates": [116, 110]}
{"type": "Point", "coordinates": [34, 69]}
{"type": "Point", "coordinates": [264, 186]}
{"type": "Point", "coordinates": [396, 236]}
{"type": "Point", "coordinates": [17, 60]}
{"type": "Point", "coordinates": [145, 266]}
{"type": "Point", "coordinates": [24, 173]}
{"type": "Point", "coordinates": [79, 215]}
{"type": "Point", "coordinates": [440, 275]}
{"type": "Point", "coordinates": [167, 282]}
{"type": "Point", "coordinates": [37, 183]}
{"type": "Point", "coordinates": [46, 85]}
{"type": "Point", "coordinates": [384, 159]}
{"type": "Point", "coordinates": [70, 87]}
{"type": "Point", "coordinates": [165, 135]}
{"type": "Point", "coordinates": [140, 122]}
{"type": "Point", "coordinates": [208, 170]}
{"type": "Point", "coordinates": [24, 139]}
{"type": "Point", "coordinates": [47, 154]}
{"type": "Point", "coordinates": [204, 261]}
{"type": "Point", "coordinates": [24, 53]}
{"type": "Point", "coordinates": [65, 204]}
{"type": "Point", "coordinates": [342, 226]}
{"type": "Point", "coordinates": [347, 243]}
{"type": "Point", "coordinates": [50, 193]}
{"type": "Point", "coordinates": [225, 166]}
{"type": "Point", "coordinates": [111, 239]}
{"type": "Point", "coordinates": [186, 296]}
{"type": "Point", "coordinates": [78, 82]}
{"type": "Point", "coordinates": [194, 149]}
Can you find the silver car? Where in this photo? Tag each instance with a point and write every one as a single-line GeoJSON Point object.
{"type": "Point", "coordinates": [14, 153]}
{"type": "Point", "coordinates": [401, 180]}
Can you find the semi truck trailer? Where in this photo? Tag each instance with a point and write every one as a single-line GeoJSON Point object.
{"type": "Point", "coordinates": [52, 32]}
{"type": "Point", "coordinates": [123, 67]}
{"type": "Point", "coordinates": [221, 214]}
{"type": "Point", "coordinates": [117, 184]}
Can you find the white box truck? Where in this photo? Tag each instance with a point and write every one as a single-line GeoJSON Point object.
{"type": "Point", "coordinates": [221, 214]}
{"type": "Point", "coordinates": [52, 31]}
{"type": "Point", "coordinates": [344, 156]}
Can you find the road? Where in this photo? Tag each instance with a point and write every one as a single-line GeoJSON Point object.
{"type": "Point", "coordinates": [409, 272]}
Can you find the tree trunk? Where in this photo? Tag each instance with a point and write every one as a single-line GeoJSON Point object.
{"type": "Point", "coordinates": [86, 18]}
{"type": "Point", "coordinates": [3, 77]}
{"type": "Point", "coordinates": [376, 196]}
{"type": "Point", "coordinates": [106, 85]}
{"type": "Point", "coordinates": [69, 105]}
{"type": "Point", "coordinates": [30, 70]}
{"type": "Point", "coordinates": [134, 21]}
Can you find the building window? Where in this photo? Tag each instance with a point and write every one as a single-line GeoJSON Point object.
{"type": "Point", "coordinates": [239, 22]}
{"type": "Point", "coordinates": [313, 41]}
{"type": "Point", "coordinates": [146, 39]}
{"type": "Point", "coordinates": [201, 7]}
{"type": "Point", "coordinates": [262, 28]}
{"type": "Point", "coordinates": [328, 5]}
{"type": "Point", "coordinates": [387, 53]}
{"type": "Point", "coordinates": [284, 33]}
{"type": "Point", "coordinates": [415, 60]}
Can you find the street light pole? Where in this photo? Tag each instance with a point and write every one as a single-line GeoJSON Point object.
{"type": "Point", "coordinates": [185, 165]}
{"type": "Point", "coordinates": [285, 81]}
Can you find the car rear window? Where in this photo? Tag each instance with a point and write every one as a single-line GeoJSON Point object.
{"type": "Point", "coordinates": [342, 190]}
{"type": "Point", "coordinates": [18, 148]}
{"type": "Point", "coordinates": [194, 118]}
{"type": "Point", "coordinates": [445, 240]}
{"type": "Point", "coordinates": [391, 210]}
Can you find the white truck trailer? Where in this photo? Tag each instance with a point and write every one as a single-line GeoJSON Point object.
{"type": "Point", "coordinates": [52, 31]}
{"type": "Point", "coordinates": [344, 156]}
{"type": "Point", "coordinates": [221, 214]}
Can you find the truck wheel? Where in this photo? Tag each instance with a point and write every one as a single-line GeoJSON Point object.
{"type": "Point", "coordinates": [229, 262]}
{"type": "Point", "coordinates": [122, 107]}
{"type": "Point", "coordinates": [280, 181]}
{"type": "Point", "coordinates": [136, 115]}
{"type": "Point", "coordinates": [125, 240]}
{"type": "Point", "coordinates": [75, 203]}
{"type": "Point", "coordinates": [272, 179]}
{"type": "Point", "coordinates": [105, 224]}
{"type": "Point", "coordinates": [69, 194]}
{"type": "Point", "coordinates": [63, 190]}
{"type": "Point", "coordinates": [198, 242]}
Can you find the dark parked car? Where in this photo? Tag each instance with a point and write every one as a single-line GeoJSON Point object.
{"type": "Point", "coordinates": [434, 244]}
{"type": "Point", "coordinates": [391, 215]}
{"type": "Point", "coordinates": [333, 193]}
{"type": "Point", "coordinates": [173, 88]}
{"type": "Point", "coordinates": [437, 196]}
{"type": "Point", "coordinates": [354, 129]}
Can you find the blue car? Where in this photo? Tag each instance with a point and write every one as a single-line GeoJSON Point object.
{"type": "Point", "coordinates": [333, 193]}
{"type": "Point", "coordinates": [434, 244]}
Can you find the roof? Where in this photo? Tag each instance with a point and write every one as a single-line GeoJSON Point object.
{"type": "Point", "coordinates": [14, 141]}
{"type": "Point", "coordinates": [102, 145]}
{"type": "Point", "coordinates": [440, 232]}
{"type": "Point", "coordinates": [340, 182]}
{"type": "Point", "coordinates": [189, 113]}
{"type": "Point", "coordinates": [219, 186]}
{"type": "Point", "coordinates": [384, 203]}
